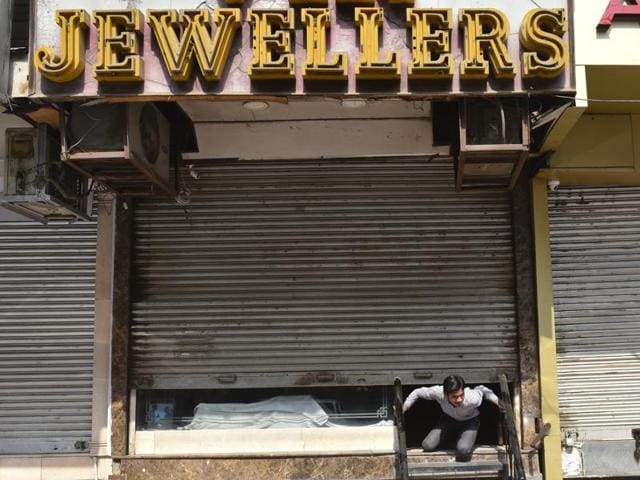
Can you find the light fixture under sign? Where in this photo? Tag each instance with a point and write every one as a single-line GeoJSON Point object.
{"type": "Point", "coordinates": [353, 102]}
{"type": "Point", "coordinates": [255, 105]}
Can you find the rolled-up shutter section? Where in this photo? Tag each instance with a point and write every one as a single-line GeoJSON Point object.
{"type": "Point", "coordinates": [47, 278]}
{"type": "Point", "coordinates": [352, 272]}
{"type": "Point", "coordinates": [595, 249]}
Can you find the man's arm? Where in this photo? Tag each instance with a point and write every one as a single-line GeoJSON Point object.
{"type": "Point", "coordinates": [426, 393]}
{"type": "Point", "coordinates": [489, 395]}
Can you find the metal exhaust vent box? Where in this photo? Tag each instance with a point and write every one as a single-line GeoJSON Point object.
{"type": "Point", "coordinates": [38, 185]}
{"type": "Point", "coordinates": [494, 142]}
{"type": "Point", "coordinates": [125, 147]}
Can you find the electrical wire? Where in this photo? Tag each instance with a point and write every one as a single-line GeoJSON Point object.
{"type": "Point", "coordinates": [91, 129]}
{"type": "Point", "coordinates": [96, 122]}
{"type": "Point", "coordinates": [63, 191]}
{"type": "Point", "coordinates": [183, 198]}
{"type": "Point", "coordinates": [598, 100]}
{"type": "Point", "coordinates": [503, 122]}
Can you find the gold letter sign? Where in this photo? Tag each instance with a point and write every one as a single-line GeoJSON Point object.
{"type": "Point", "coordinates": [541, 34]}
{"type": "Point", "coordinates": [369, 67]}
{"type": "Point", "coordinates": [205, 36]}
{"type": "Point", "coordinates": [431, 43]}
{"type": "Point", "coordinates": [211, 54]}
{"type": "Point", "coordinates": [118, 47]}
{"type": "Point", "coordinates": [271, 41]}
{"type": "Point", "coordinates": [485, 32]}
{"type": "Point", "coordinates": [69, 65]}
{"type": "Point", "coordinates": [316, 67]}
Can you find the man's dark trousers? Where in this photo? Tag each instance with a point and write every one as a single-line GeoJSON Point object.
{"type": "Point", "coordinates": [447, 428]}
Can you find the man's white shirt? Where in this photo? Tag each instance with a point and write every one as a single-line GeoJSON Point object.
{"type": "Point", "coordinates": [469, 408]}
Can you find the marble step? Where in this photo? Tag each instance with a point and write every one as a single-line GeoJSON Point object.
{"type": "Point", "coordinates": [495, 454]}
{"type": "Point", "coordinates": [455, 470]}
{"type": "Point", "coordinates": [486, 463]}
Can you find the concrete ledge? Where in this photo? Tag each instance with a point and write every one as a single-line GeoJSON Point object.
{"type": "Point", "coordinates": [266, 442]}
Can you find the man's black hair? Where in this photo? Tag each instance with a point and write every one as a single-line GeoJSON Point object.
{"type": "Point", "coordinates": [452, 383]}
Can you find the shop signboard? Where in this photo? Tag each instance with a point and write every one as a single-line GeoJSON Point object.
{"type": "Point", "coordinates": [301, 47]}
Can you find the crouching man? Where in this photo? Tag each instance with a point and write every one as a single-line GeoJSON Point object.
{"type": "Point", "coordinates": [460, 418]}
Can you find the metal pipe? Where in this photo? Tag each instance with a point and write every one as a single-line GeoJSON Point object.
{"type": "Point", "coordinates": [517, 412]}
{"type": "Point", "coordinates": [513, 444]}
{"type": "Point", "coordinates": [402, 468]}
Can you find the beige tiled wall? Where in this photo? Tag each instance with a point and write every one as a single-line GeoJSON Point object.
{"type": "Point", "coordinates": [58, 467]}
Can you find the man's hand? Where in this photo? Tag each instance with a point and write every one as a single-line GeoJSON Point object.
{"type": "Point", "coordinates": [404, 408]}
{"type": "Point", "coordinates": [500, 405]}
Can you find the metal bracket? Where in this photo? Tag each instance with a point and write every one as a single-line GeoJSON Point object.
{"type": "Point", "coordinates": [402, 467]}
{"type": "Point", "coordinates": [539, 438]}
{"type": "Point", "coordinates": [636, 436]}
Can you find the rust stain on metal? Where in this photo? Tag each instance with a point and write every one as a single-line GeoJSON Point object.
{"type": "Point", "coordinates": [306, 379]}
{"type": "Point", "coordinates": [45, 115]}
{"type": "Point", "coordinates": [227, 379]}
{"type": "Point", "coordinates": [145, 381]}
{"type": "Point", "coordinates": [312, 378]}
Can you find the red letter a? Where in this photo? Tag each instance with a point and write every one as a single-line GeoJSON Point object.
{"type": "Point", "coordinates": [619, 8]}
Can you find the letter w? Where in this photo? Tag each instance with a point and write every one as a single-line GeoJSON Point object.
{"type": "Point", "coordinates": [178, 53]}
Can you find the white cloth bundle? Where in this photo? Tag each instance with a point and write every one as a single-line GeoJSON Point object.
{"type": "Point", "coordinates": [300, 411]}
{"type": "Point", "coordinates": [296, 411]}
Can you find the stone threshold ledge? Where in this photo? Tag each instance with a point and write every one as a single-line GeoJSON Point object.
{"type": "Point", "coordinates": [265, 442]}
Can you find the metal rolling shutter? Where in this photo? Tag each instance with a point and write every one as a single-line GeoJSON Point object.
{"type": "Point", "coordinates": [595, 249]}
{"type": "Point", "coordinates": [47, 277]}
{"type": "Point", "coordinates": [346, 272]}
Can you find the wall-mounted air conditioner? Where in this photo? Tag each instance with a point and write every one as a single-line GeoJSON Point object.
{"type": "Point", "coordinates": [37, 183]}
{"type": "Point", "coordinates": [122, 146]}
{"type": "Point", "coordinates": [494, 142]}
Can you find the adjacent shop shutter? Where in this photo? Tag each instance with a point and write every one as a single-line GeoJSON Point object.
{"type": "Point", "coordinates": [595, 250]}
{"type": "Point", "coordinates": [351, 272]}
{"type": "Point", "coordinates": [47, 277]}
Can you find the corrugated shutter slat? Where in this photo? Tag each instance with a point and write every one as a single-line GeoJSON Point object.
{"type": "Point", "coordinates": [595, 249]}
{"type": "Point", "coordinates": [283, 273]}
{"type": "Point", "coordinates": [47, 283]}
